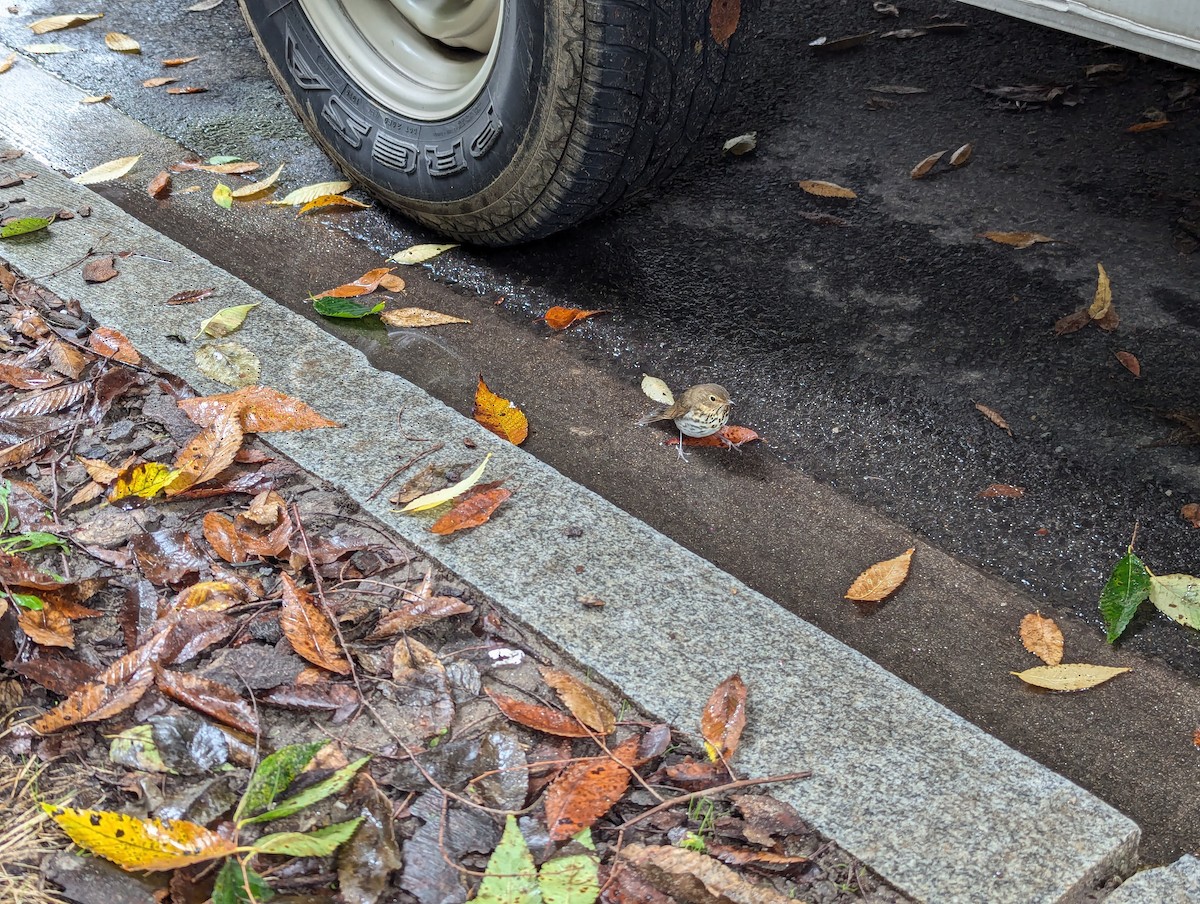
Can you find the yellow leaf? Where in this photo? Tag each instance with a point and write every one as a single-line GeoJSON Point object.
{"type": "Point", "coordinates": [57, 23]}
{"type": "Point", "coordinates": [499, 415]}
{"type": "Point", "coordinates": [140, 844]}
{"type": "Point", "coordinates": [1177, 596]}
{"type": "Point", "coordinates": [223, 196]}
{"type": "Point", "coordinates": [312, 192]}
{"type": "Point", "coordinates": [657, 390]}
{"type": "Point", "coordinates": [145, 481]}
{"type": "Point", "coordinates": [417, 317]}
{"type": "Point", "coordinates": [1017, 239]}
{"type": "Point", "coordinates": [226, 320]}
{"type": "Point", "coordinates": [1102, 301]}
{"type": "Point", "coordinates": [433, 500]}
{"type": "Point", "coordinates": [1042, 637]}
{"type": "Point", "coordinates": [106, 172]}
{"type": "Point", "coordinates": [331, 201]}
{"type": "Point", "coordinates": [1069, 677]}
{"type": "Point", "coordinates": [825, 189]}
{"type": "Point", "coordinates": [881, 580]}
{"type": "Point", "coordinates": [95, 98]}
{"type": "Point", "coordinates": [257, 188]}
{"type": "Point", "coordinates": [7, 62]}
{"type": "Point", "coordinates": [417, 254]}
{"type": "Point", "coordinates": [121, 43]}
{"type": "Point", "coordinates": [229, 362]}
{"type": "Point", "coordinates": [209, 452]}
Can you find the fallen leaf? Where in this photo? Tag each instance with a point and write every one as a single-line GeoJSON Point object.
{"type": "Point", "coordinates": [254, 189]}
{"type": "Point", "coordinates": [144, 481]}
{"type": "Point", "coordinates": [994, 416]}
{"type": "Point", "coordinates": [158, 81]}
{"type": "Point", "coordinates": [585, 703]}
{"type": "Point", "coordinates": [309, 630]}
{"type": "Point", "coordinates": [1017, 239]}
{"type": "Point", "coordinates": [740, 144]}
{"type": "Point", "coordinates": [331, 201]}
{"type": "Point", "coordinates": [499, 415]}
{"type": "Point", "coordinates": [1101, 309]}
{"type": "Point", "coordinates": [1068, 677]}
{"type": "Point", "coordinates": [723, 17]}
{"type": "Point", "coordinates": [180, 61]}
{"type": "Point", "coordinates": [730, 436]}
{"type": "Point", "coordinates": [1128, 586]}
{"type": "Point", "coordinates": [538, 717]}
{"type": "Point", "coordinates": [961, 156]}
{"type": "Point", "coordinates": [187, 89]}
{"type": "Point", "coordinates": [228, 362]}
{"type": "Point", "coordinates": [1191, 513]}
{"type": "Point", "coordinates": [411, 318]}
{"type": "Point", "coordinates": [723, 718]}
{"type": "Point", "coordinates": [24, 378]}
{"type": "Point", "coordinates": [417, 254]}
{"type": "Point", "coordinates": [100, 269]}
{"type": "Point", "coordinates": [685, 875]}
{"type": "Point", "coordinates": [263, 410]}
{"type": "Point", "coordinates": [47, 48]}
{"type": "Point", "coordinates": [1103, 69]}
{"type": "Point", "coordinates": [1130, 363]}
{"type": "Point", "coordinates": [208, 453]}
{"type": "Point", "coordinates": [433, 500]}
{"type": "Point", "coordinates": [223, 196]}
{"type": "Point", "coordinates": [121, 43]}
{"type": "Point", "coordinates": [204, 6]}
{"type": "Point", "coordinates": [57, 23]}
{"type": "Point", "coordinates": [1072, 322]}
{"type": "Point", "coordinates": [587, 789]}
{"type": "Point", "coordinates": [825, 44]}
{"type": "Point", "coordinates": [391, 283]}
{"type": "Point", "coordinates": [472, 511]}
{"type": "Point", "coordinates": [188, 296]}
{"type": "Point", "coordinates": [95, 98]}
{"type": "Point", "coordinates": [825, 189]}
{"type": "Point", "coordinates": [921, 170]}
{"type": "Point", "coordinates": [140, 844]}
{"type": "Point", "coordinates": [1148, 126]}
{"type": "Point", "coordinates": [418, 613]}
{"type": "Point", "coordinates": [226, 320]}
{"type": "Point", "coordinates": [112, 344]}
{"type": "Point", "coordinates": [511, 876]}
{"type": "Point", "coordinates": [7, 62]}
{"type": "Point", "coordinates": [364, 285]}
{"type": "Point", "coordinates": [160, 186]}
{"type": "Point", "coordinates": [881, 580]}
{"type": "Point", "coordinates": [1177, 596]}
{"type": "Point", "coordinates": [106, 172]}
{"type": "Point", "coordinates": [999, 490]}
{"type": "Point", "coordinates": [23, 226]}
{"type": "Point", "coordinates": [346, 307]}
{"type": "Point", "coordinates": [656, 389]}
{"type": "Point", "coordinates": [558, 318]}
{"type": "Point", "coordinates": [213, 699]}
{"type": "Point", "coordinates": [231, 168]}
{"type": "Point", "coordinates": [1042, 637]}
{"type": "Point", "coordinates": [301, 196]}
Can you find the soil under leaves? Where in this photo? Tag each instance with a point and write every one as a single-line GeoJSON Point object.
{"type": "Point", "coordinates": [171, 641]}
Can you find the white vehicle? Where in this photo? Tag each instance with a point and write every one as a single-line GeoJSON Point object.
{"type": "Point", "coordinates": [502, 121]}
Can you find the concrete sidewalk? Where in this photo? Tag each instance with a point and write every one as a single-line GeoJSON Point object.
{"type": "Point", "coordinates": [936, 806]}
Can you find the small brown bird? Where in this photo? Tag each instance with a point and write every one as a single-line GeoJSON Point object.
{"type": "Point", "coordinates": [700, 410]}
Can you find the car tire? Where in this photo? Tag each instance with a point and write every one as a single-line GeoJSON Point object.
{"type": "Point", "coordinates": [578, 105]}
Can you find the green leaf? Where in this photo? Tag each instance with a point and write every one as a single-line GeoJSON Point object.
{"type": "Point", "coordinates": [234, 887]}
{"type": "Point", "coordinates": [344, 307]}
{"type": "Point", "coordinates": [226, 320]}
{"type": "Point", "coordinates": [23, 226]}
{"type": "Point", "coordinates": [1177, 596]}
{"type": "Point", "coordinates": [1127, 588]}
{"type": "Point", "coordinates": [572, 879]}
{"type": "Point", "coordinates": [27, 542]}
{"type": "Point", "coordinates": [223, 196]}
{"type": "Point", "coordinates": [511, 877]}
{"type": "Point", "coordinates": [222, 158]}
{"type": "Point", "coordinates": [317, 843]}
{"type": "Point", "coordinates": [274, 774]}
{"type": "Point", "coordinates": [311, 795]}
{"type": "Point", "coordinates": [30, 601]}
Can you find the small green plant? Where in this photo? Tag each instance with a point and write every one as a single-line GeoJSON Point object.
{"type": "Point", "coordinates": [27, 541]}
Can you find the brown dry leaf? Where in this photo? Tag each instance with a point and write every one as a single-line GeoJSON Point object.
{"type": "Point", "coordinates": [921, 170]}
{"type": "Point", "coordinates": [1075, 676]}
{"type": "Point", "coordinates": [47, 627]}
{"type": "Point", "coordinates": [7, 62]}
{"type": "Point", "coordinates": [723, 17]}
{"type": "Point", "coordinates": [539, 718]}
{"type": "Point", "coordinates": [100, 269]}
{"type": "Point", "coordinates": [95, 98]}
{"type": "Point", "coordinates": [187, 89]}
{"type": "Point", "coordinates": [499, 415]}
{"type": "Point", "coordinates": [962, 155]}
{"type": "Point", "coordinates": [585, 703]}
{"type": "Point", "coordinates": [309, 630]}
{"type": "Point", "coordinates": [236, 168]}
{"type": "Point", "coordinates": [180, 61]}
{"type": "Point", "coordinates": [209, 596]}
{"type": "Point", "coordinates": [766, 861]}
{"type": "Point", "coordinates": [825, 189]}
{"type": "Point", "coordinates": [882, 579]}
{"type": "Point", "coordinates": [66, 358]}
{"type": "Point", "coordinates": [1072, 322]}
{"type": "Point", "coordinates": [994, 416]}
{"type": "Point", "coordinates": [112, 344]}
{"type": "Point", "coordinates": [208, 453]}
{"type": "Point", "coordinates": [472, 511]}
{"type": "Point", "coordinates": [559, 318]}
{"type": "Point", "coordinates": [587, 789]}
{"type": "Point", "coordinates": [158, 81]}
{"type": "Point", "coordinates": [24, 378]}
{"type": "Point", "coordinates": [364, 285]}
{"type": "Point", "coordinates": [45, 401]}
{"type": "Point", "coordinates": [1017, 239]}
{"type": "Point", "coordinates": [1042, 637]}
{"type": "Point", "coordinates": [409, 656]}
{"type": "Point", "coordinates": [114, 690]}
{"type": "Point", "coordinates": [213, 699]}
{"type": "Point", "coordinates": [1191, 513]}
{"type": "Point", "coordinates": [1148, 126]}
{"type": "Point", "coordinates": [121, 43]}
{"type": "Point", "coordinates": [57, 23]}
{"type": "Point", "coordinates": [189, 296]}
{"type": "Point", "coordinates": [1130, 362]}
{"type": "Point", "coordinates": [410, 318]}
{"type": "Point", "coordinates": [331, 201]}
{"type": "Point", "coordinates": [224, 538]}
{"type": "Point", "coordinates": [690, 876]}
{"type": "Point", "coordinates": [391, 283]}
{"type": "Point", "coordinates": [263, 410]}
{"type": "Point", "coordinates": [724, 717]}
{"type": "Point", "coordinates": [1101, 310]}
{"type": "Point", "coordinates": [999, 490]}
{"type": "Point", "coordinates": [160, 186]}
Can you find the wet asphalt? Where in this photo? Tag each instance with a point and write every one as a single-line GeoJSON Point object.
{"type": "Point", "coordinates": [859, 350]}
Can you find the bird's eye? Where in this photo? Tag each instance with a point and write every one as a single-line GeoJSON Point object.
{"type": "Point", "coordinates": [712, 398]}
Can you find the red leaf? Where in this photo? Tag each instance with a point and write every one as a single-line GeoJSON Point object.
{"type": "Point", "coordinates": [540, 718]}
{"type": "Point", "coordinates": [558, 318]}
{"type": "Point", "coordinates": [473, 511]}
{"type": "Point", "coordinates": [309, 630]}
{"type": "Point", "coordinates": [587, 790]}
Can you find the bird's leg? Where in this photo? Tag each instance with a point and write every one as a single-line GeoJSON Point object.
{"type": "Point", "coordinates": [681, 455]}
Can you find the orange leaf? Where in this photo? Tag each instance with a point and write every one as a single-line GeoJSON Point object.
{"type": "Point", "coordinates": [539, 718]}
{"type": "Point", "coordinates": [723, 16]}
{"type": "Point", "coordinates": [558, 318]}
{"type": "Point", "coordinates": [587, 789]}
{"type": "Point", "coordinates": [1130, 363]}
{"type": "Point", "coordinates": [160, 186]}
{"type": "Point", "coordinates": [212, 698]}
{"type": "Point", "coordinates": [1042, 637]}
{"type": "Point", "coordinates": [1191, 512]}
{"type": "Point", "coordinates": [224, 538]}
{"type": "Point", "coordinates": [332, 201]}
{"type": "Point", "coordinates": [114, 690]}
{"type": "Point", "coordinates": [112, 344]}
{"type": "Point", "coordinates": [210, 596]}
{"type": "Point", "coordinates": [1148, 126]}
{"type": "Point", "coordinates": [585, 703]}
{"type": "Point", "coordinates": [473, 511]}
{"type": "Point", "coordinates": [366, 283]}
{"type": "Point", "coordinates": [997, 490]}
{"type": "Point", "coordinates": [210, 452]}
{"type": "Point", "coordinates": [140, 844]}
{"type": "Point", "coordinates": [724, 717]}
{"type": "Point", "coordinates": [47, 626]}
{"type": "Point", "coordinates": [727, 437]}
{"type": "Point", "coordinates": [500, 415]}
{"type": "Point", "coordinates": [417, 614]}
{"type": "Point", "coordinates": [309, 630]}
{"type": "Point", "coordinates": [263, 410]}
{"type": "Point", "coordinates": [881, 580]}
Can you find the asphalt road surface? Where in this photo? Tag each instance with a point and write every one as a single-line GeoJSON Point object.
{"type": "Point", "coordinates": [857, 346]}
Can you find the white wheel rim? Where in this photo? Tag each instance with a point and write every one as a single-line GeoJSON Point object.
{"type": "Point", "coordinates": [425, 59]}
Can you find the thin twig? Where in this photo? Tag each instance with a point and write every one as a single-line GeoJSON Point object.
{"type": "Point", "coordinates": [404, 467]}
{"type": "Point", "coordinates": [709, 792]}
